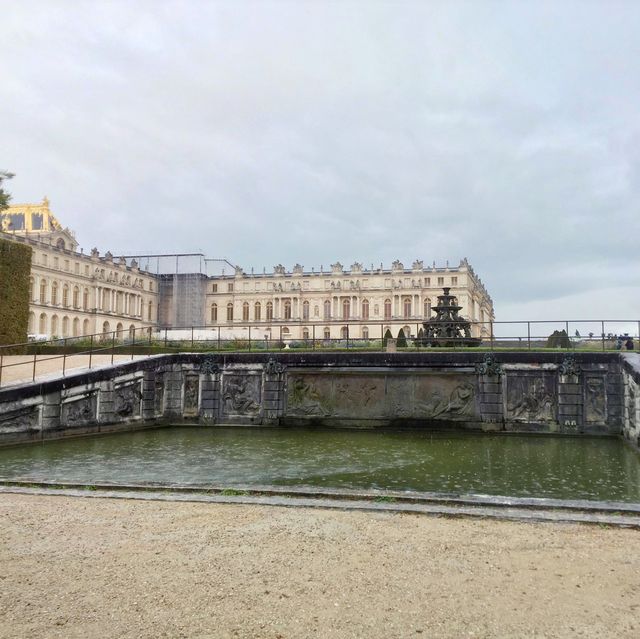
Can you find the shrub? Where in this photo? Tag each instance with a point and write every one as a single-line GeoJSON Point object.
{"type": "Point", "coordinates": [15, 269]}
{"type": "Point", "coordinates": [558, 339]}
{"type": "Point", "coordinates": [402, 340]}
{"type": "Point", "coordinates": [387, 336]}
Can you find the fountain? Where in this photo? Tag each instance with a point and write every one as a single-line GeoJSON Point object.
{"type": "Point", "coordinates": [447, 328]}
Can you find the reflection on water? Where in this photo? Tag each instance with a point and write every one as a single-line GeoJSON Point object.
{"type": "Point", "coordinates": [516, 465]}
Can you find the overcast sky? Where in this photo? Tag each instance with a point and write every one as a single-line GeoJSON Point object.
{"type": "Point", "coordinates": [284, 132]}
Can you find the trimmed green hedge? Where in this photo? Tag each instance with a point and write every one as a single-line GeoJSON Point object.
{"type": "Point", "coordinates": [15, 270]}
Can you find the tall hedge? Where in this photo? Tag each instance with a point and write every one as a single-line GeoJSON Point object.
{"type": "Point", "coordinates": [15, 270]}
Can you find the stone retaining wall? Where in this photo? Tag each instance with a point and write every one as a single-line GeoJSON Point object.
{"type": "Point", "coordinates": [515, 392]}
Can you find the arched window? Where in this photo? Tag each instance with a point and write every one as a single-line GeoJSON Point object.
{"type": "Point", "coordinates": [344, 332]}
{"type": "Point", "coordinates": [407, 307]}
{"type": "Point", "coordinates": [327, 333]}
{"type": "Point", "coordinates": [305, 310]}
{"type": "Point", "coordinates": [85, 299]}
{"type": "Point", "coordinates": [106, 328]}
{"type": "Point", "coordinates": [32, 323]}
{"type": "Point", "coordinates": [120, 330]}
{"type": "Point", "coordinates": [287, 309]}
{"type": "Point", "coordinates": [305, 333]}
{"type": "Point", "coordinates": [387, 309]}
{"type": "Point", "coordinates": [365, 332]}
{"type": "Point", "coordinates": [214, 313]}
{"type": "Point", "coordinates": [269, 311]}
{"type": "Point", "coordinates": [245, 312]}
{"type": "Point", "coordinates": [229, 312]}
{"type": "Point", "coordinates": [132, 332]}
{"type": "Point", "coordinates": [54, 326]}
{"type": "Point", "coordinates": [60, 243]}
{"type": "Point", "coordinates": [365, 309]}
{"type": "Point", "coordinates": [257, 312]}
{"type": "Point", "coordinates": [65, 326]}
{"type": "Point", "coordinates": [76, 297]}
{"type": "Point", "coordinates": [327, 309]}
{"type": "Point", "coordinates": [76, 327]}
{"type": "Point", "coordinates": [43, 291]}
{"type": "Point", "coordinates": [65, 296]}
{"type": "Point", "coordinates": [54, 293]}
{"type": "Point", "coordinates": [346, 309]}
{"type": "Point", "coordinates": [427, 308]}
{"type": "Point", "coordinates": [85, 327]}
{"type": "Point", "coordinates": [31, 288]}
{"type": "Point", "coordinates": [42, 326]}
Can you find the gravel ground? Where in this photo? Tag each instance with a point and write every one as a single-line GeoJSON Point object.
{"type": "Point", "coordinates": [19, 368]}
{"type": "Point", "coordinates": [73, 567]}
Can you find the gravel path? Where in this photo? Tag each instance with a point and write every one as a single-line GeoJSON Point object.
{"type": "Point", "coordinates": [73, 567]}
{"type": "Point", "coordinates": [19, 368]}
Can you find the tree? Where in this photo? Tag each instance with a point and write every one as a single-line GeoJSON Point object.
{"type": "Point", "coordinates": [5, 197]}
{"type": "Point", "coordinates": [402, 340]}
{"type": "Point", "coordinates": [386, 337]}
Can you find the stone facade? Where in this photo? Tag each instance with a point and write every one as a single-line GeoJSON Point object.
{"type": "Point", "coordinates": [74, 294]}
{"type": "Point", "coordinates": [301, 304]}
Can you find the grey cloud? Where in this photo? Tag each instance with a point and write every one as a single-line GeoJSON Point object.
{"type": "Point", "coordinates": [289, 132]}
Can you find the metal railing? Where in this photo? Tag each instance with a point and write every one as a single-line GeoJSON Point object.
{"type": "Point", "coordinates": [28, 361]}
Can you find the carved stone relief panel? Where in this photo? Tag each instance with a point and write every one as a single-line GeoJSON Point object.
{"type": "Point", "coordinates": [309, 395]}
{"type": "Point", "coordinates": [80, 411]}
{"type": "Point", "coordinates": [531, 396]}
{"type": "Point", "coordinates": [448, 397]}
{"type": "Point", "coordinates": [380, 396]}
{"type": "Point", "coordinates": [191, 394]}
{"type": "Point", "coordinates": [595, 409]}
{"type": "Point", "coordinates": [20, 420]}
{"type": "Point", "coordinates": [241, 394]}
{"type": "Point", "coordinates": [127, 398]}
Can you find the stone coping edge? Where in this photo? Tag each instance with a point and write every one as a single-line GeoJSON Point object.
{"type": "Point", "coordinates": [516, 509]}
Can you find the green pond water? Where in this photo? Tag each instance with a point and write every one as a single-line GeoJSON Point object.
{"type": "Point", "coordinates": [599, 469]}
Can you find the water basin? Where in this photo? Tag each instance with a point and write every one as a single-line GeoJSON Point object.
{"type": "Point", "coordinates": [601, 469]}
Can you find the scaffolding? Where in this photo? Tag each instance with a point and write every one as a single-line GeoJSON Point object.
{"type": "Point", "coordinates": [182, 284]}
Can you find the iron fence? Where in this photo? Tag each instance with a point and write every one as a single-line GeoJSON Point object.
{"type": "Point", "coordinates": [28, 361]}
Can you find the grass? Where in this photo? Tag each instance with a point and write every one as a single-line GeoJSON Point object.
{"type": "Point", "coordinates": [232, 492]}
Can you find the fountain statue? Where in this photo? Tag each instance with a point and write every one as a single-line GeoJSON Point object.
{"type": "Point", "coordinates": [447, 328]}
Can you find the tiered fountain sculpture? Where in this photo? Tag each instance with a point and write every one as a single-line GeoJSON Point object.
{"type": "Point", "coordinates": [447, 328]}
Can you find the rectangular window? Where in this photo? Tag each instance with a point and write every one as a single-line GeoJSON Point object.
{"type": "Point", "coordinates": [441, 281]}
{"type": "Point", "coordinates": [230, 287]}
{"type": "Point", "coordinates": [86, 269]}
{"type": "Point", "coordinates": [77, 268]}
{"type": "Point", "coordinates": [66, 265]}
{"type": "Point", "coordinates": [44, 259]}
{"type": "Point", "coordinates": [258, 286]}
{"type": "Point", "coordinates": [56, 262]}
{"type": "Point", "coordinates": [454, 281]}
{"type": "Point", "coordinates": [214, 288]}
{"type": "Point", "coordinates": [427, 281]}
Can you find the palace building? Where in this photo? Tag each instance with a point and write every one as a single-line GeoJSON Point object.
{"type": "Point", "coordinates": [75, 294]}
